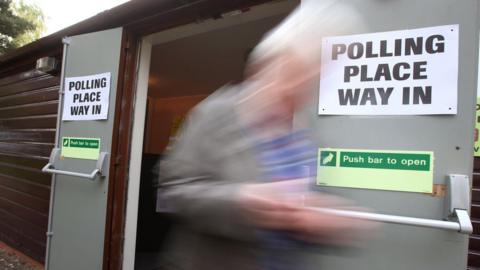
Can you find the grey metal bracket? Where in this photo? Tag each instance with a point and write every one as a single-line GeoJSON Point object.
{"type": "Point", "coordinates": [463, 217]}
{"type": "Point", "coordinates": [100, 169]}
{"type": "Point", "coordinates": [458, 201]}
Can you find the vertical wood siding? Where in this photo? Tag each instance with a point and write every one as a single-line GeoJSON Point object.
{"type": "Point", "coordinates": [28, 112]}
{"type": "Point", "coordinates": [474, 243]}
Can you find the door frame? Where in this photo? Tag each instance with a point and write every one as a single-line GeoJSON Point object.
{"type": "Point", "coordinates": [139, 103]}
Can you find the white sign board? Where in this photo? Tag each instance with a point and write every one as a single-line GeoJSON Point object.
{"type": "Point", "coordinates": [409, 72]}
{"type": "Point", "coordinates": [86, 98]}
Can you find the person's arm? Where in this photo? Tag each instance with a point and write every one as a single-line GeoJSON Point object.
{"type": "Point", "coordinates": [190, 188]}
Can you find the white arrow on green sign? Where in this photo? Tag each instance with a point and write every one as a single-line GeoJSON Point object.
{"type": "Point", "coordinates": [409, 171]}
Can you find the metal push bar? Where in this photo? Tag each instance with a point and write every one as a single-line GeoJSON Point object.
{"type": "Point", "coordinates": [99, 170]}
{"type": "Point", "coordinates": [457, 202]}
{"type": "Point", "coordinates": [463, 225]}
{"type": "Point", "coordinates": [90, 176]}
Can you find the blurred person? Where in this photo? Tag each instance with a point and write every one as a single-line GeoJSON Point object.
{"type": "Point", "coordinates": [238, 177]}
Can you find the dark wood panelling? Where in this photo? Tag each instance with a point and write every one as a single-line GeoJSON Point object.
{"type": "Point", "coordinates": [476, 195]}
{"type": "Point", "coordinates": [30, 174]}
{"type": "Point", "coordinates": [40, 95]}
{"type": "Point", "coordinates": [28, 85]}
{"type": "Point", "coordinates": [39, 136]}
{"type": "Point", "coordinates": [476, 164]}
{"type": "Point", "coordinates": [28, 113]}
{"type": "Point", "coordinates": [475, 210]}
{"type": "Point", "coordinates": [49, 107]}
{"type": "Point", "coordinates": [476, 226]}
{"type": "Point", "coordinates": [29, 149]}
{"type": "Point", "coordinates": [22, 160]}
{"type": "Point", "coordinates": [24, 199]}
{"type": "Point", "coordinates": [476, 179]}
{"type": "Point", "coordinates": [18, 210]}
{"type": "Point", "coordinates": [27, 187]}
{"type": "Point", "coordinates": [21, 77]}
{"type": "Point", "coordinates": [43, 121]}
{"type": "Point", "coordinates": [474, 243]}
{"type": "Point", "coordinates": [33, 231]}
{"type": "Point", "coordinates": [473, 259]}
{"type": "Point", "coordinates": [21, 242]}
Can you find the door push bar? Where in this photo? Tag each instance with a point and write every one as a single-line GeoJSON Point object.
{"type": "Point", "coordinates": [458, 202]}
{"type": "Point", "coordinates": [99, 170]}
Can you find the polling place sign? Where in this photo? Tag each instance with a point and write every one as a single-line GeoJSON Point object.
{"type": "Point", "coordinates": [408, 171]}
{"type": "Point", "coordinates": [408, 72]}
{"type": "Point", "coordinates": [87, 97]}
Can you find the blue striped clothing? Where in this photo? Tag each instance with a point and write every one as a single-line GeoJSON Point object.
{"type": "Point", "coordinates": [285, 158]}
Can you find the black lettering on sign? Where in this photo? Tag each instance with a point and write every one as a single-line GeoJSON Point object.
{"type": "Point", "coordinates": [420, 95]}
{"type": "Point", "coordinates": [384, 94]}
{"type": "Point", "coordinates": [87, 97]}
{"type": "Point", "coordinates": [435, 47]}
{"type": "Point", "coordinates": [396, 71]}
{"type": "Point", "coordinates": [369, 50]}
{"type": "Point", "coordinates": [406, 96]}
{"type": "Point", "coordinates": [97, 109]}
{"type": "Point", "coordinates": [368, 95]}
{"type": "Point", "coordinates": [364, 76]}
{"type": "Point", "coordinates": [348, 97]}
{"type": "Point", "coordinates": [338, 49]}
{"type": "Point", "coordinates": [88, 84]}
{"type": "Point", "coordinates": [375, 71]}
{"type": "Point", "coordinates": [349, 72]}
{"type": "Point", "coordinates": [400, 47]}
{"type": "Point", "coordinates": [418, 68]}
{"type": "Point", "coordinates": [383, 49]}
{"type": "Point", "coordinates": [79, 110]}
{"type": "Point", "coordinates": [383, 71]}
{"type": "Point", "coordinates": [413, 46]}
{"type": "Point", "coordinates": [355, 50]}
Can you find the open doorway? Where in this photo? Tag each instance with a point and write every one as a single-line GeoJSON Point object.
{"type": "Point", "coordinates": [178, 69]}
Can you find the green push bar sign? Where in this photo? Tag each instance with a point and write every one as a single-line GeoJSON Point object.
{"type": "Point", "coordinates": [82, 148]}
{"type": "Point", "coordinates": [409, 171]}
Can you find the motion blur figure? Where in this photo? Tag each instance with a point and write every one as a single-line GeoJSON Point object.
{"type": "Point", "coordinates": [238, 177]}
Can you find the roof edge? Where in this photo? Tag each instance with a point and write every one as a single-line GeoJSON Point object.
{"type": "Point", "coordinates": [111, 18]}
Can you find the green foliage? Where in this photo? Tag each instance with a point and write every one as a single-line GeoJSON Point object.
{"type": "Point", "coordinates": [20, 24]}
